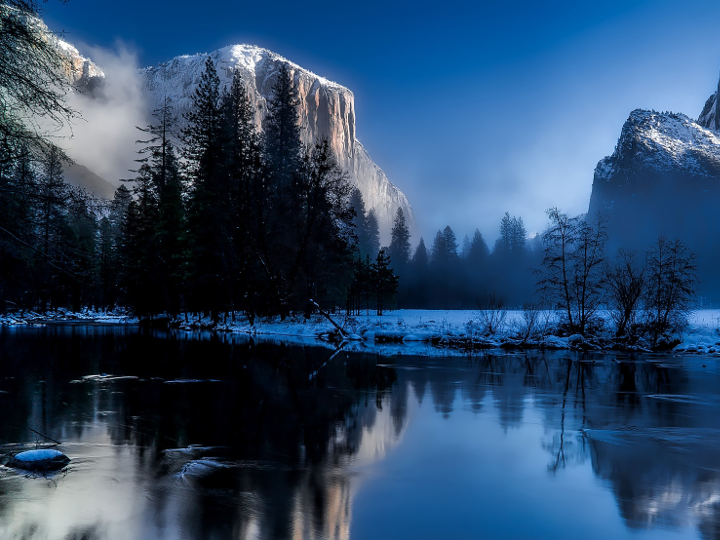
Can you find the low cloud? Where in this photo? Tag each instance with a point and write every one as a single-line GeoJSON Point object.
{"type": "Point", "coordinates": [104, 139]}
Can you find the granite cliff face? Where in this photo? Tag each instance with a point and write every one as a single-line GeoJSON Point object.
{"type": "Point", "coordinates": [326, 110]}
{"type": "Point", "coordinates": [710, 116]}
{"type": "Point", "coordinates": [82, 72]}
{"type": "Point", "coordinates": [664, 178]}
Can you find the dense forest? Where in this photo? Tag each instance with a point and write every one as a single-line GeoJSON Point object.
{"type": "Point", "coordinates": [217, 218]}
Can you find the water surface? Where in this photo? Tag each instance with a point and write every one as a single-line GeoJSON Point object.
{"type": "Point", "coordinates": [205, 437]}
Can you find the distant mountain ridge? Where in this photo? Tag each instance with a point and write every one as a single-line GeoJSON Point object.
{"type": "Point", "coordinates": [326, 110]}
{"type": "Point", "coordinates": [664, 178]}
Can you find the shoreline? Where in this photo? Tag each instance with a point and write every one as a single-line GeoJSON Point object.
{"type": "Point", "coordinates": [408, 332]}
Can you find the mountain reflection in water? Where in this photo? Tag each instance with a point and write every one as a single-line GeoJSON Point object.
{"type": "Point", "coordinates": [264, 440]}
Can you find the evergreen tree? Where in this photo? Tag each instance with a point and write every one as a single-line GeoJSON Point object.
{"type": "Point", "coordinates": [110, 245]}
{"type": "Point", "coordinates": [210, 251]}
{"type": "Point", "coordinates": [444, 270]}
{"type": "Point", "coordinates": [478, 252]}
{"type": "Point", "coordinates": [367, 228]}
{"type": "Point", "coordinates": [465, 250]}
{"type": "Point", "coordinates": [508, 276]}
{"type": "Point", "coordinates": [52, 198]}
{"type": "Point", "coordinates": [81, 251]}
{"type": "Point", "coordinates": [444, 249]}
{"type": "Point", "coordinates": [419, 278]}
{"type": "Point", "coordinates": [159, 155]}
{"type": "Point", "coordinates": [18, 183]}
{"type": "Point", "coordinates": [283, 147]}
{"type": "Point", "coordinates": [512, 236]}
{"type": "Point", "coordinates": [245, 172]}
{"type": "Point", "coordinates": [358, 206]}
{"type": "Point", "coordinates": [140, 275]}
{"type": "Point", "coordinates": [476, 266]}
{"type": "Point", "coordinates": [399, 250]}
{"type": "Point", "coordinates": [385, 282]}
{"type": "Point", "coordinates": [323, 263]}
{"type": "Point", "coordinates": [372, 234]}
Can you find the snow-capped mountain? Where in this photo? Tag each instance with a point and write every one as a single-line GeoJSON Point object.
{"type": "Point", "coordinates": [659, 144]}
{"type": "Point", "coordinates": [326, 110]}
{"type": "Point", "coordinates": [662, 178]}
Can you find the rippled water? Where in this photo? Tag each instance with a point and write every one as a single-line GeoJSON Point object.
{"type": "Point", "coordinates": [202, 437]}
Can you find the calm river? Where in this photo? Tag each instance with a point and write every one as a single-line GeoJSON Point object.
{"type": "Point", "coordinates": [181, 436]}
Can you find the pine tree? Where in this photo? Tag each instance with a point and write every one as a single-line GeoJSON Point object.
{"type": "Point", "coordinates": [358, 206]}
{"type": "Point", "coordinates": [372, 234]}
{"type": "Point", "coordinates": [210, 257]}
{"type": "Point", "coordinates": [246, 193]}
{"type": "Point", "coordinates": [323, 264]}
{"type": "Point", "coordinates": [282, 128]}
{"type": "Point", "coordinates": [140, 275]}
{"type": "Point", "coordinates": [52, 198]}
{"type": "Point", "coordinates": [111, 246]}
{"type": "Point", "coordinates": [478, 251]}
{"type": "Point", "coordinates": [399, 250]}
{"type": "Point", "coordinates": [419, 277]}
{"type": "Point", "coordinates": [159, 156]}
{"type": "Point", "coordinates": [444, 270]}
{"type": "Point", "coordinates": [385, 282]}
{"type": "Point", "coordinates": [18, 185]}
{"type": "Point", "coordinates": [512, 237]}
{"type": "Point", "coordinates": [81, 251]}
{"type": "Point", "coordinates": [444, 249]}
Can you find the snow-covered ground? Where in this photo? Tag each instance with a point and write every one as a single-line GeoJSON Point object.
{"type": "Point", "coordinates": [417, 332]}
{"type": "Point", "coordinates": [64, 315]}
{"type": "Point", "coordinates": [426, 332]}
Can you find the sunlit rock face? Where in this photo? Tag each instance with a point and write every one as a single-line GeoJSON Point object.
{"type": "Point", "coordinates": [662, 178]}
{"type": "Point", "coordinates": [82, 72]}
{"type": "Point", "coordinates": [326, 110]}
{"type": "Point", "coordinates": [710, 115]}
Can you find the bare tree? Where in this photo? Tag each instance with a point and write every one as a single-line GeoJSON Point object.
{"type": "Point", "coordinates": [530, 323]}
{"type": "Point", "coordinates": [625, 285]}
{"type": "Point", "coordinates": [572, 276]}
{"type": "Point", "coordinates": [672, 280]}
{"type": "Point", "coordinates": [33, 80]}
{"type": "Point", "coordinates": [492, 313]}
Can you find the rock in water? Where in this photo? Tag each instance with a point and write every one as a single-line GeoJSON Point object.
{"type": "Point", "coordinates": [39, 460]}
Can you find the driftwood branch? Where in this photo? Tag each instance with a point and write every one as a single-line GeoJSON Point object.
{"type": "Point", "coordinates": [324, 314]}
{"type": "Point", "coordinates": [45, 436]}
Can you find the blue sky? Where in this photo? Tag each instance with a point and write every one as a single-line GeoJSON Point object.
{"type": "Point", "coordinates": [471, 108]}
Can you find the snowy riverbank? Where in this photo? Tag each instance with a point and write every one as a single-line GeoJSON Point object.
{"type": "Point", "coordinates": [412, 331]}
{"type": "Point", "coordinates": [65, 316]}
{"type": "Point", "coordinates": [427, 331]}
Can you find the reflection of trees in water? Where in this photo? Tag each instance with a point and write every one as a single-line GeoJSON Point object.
{"type": "Point", "coordinates": [285, 418]}
{"type": "Point", "coordinates": [655, 486]}
{"type": "Point", "coordinates": [656, 442]}
{"type": "Point", "coordinates": [640, 422]}
{"type": "Point", "coordinates": [289, 423]}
